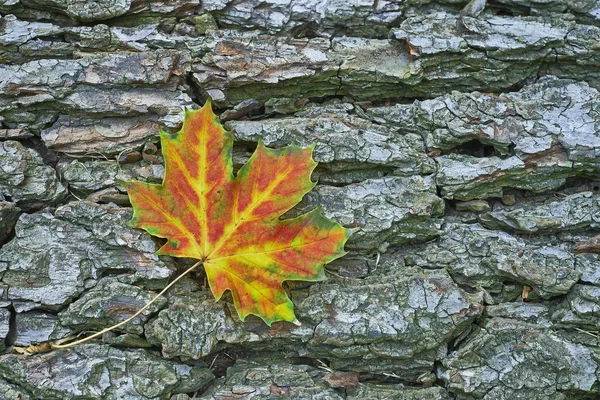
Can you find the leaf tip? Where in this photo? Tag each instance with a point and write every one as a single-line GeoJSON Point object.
{"type": "Point", "coordinates": [296, 322]}
{"type": "Point", "coordinates": [208, 103]}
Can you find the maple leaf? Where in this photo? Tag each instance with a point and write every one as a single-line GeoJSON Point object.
{"type": "Point", "coordinates": [232, 222]}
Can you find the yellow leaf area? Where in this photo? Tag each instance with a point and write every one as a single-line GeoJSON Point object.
{"type": "Point", "coordinates": [232, 222]}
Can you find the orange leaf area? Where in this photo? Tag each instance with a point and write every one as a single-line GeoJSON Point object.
{"type": "Point", "coordinates": [232, 222]}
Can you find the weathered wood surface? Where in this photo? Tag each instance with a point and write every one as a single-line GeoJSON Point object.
{"type": "Point", "coordinates": [461, 138]}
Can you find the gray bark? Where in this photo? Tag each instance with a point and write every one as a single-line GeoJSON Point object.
{"type": "Point", "coordinates": [459, 139]}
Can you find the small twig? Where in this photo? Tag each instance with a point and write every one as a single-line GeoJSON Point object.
{"type": "Point", "coordinates": [213, 361]}
{"type": "Point", "coordinates": [586, 332]}
{"type": "Point", "coordinates": [323, 366]}
{"type": "Point", "coordinates": [377, 261]}
{"type": "Point", "coordinates": [74, 195]}
{"type": "Point", "coordinates": [64, 346]}
{"type": "Point", "coordinates": [334, 274]}
{"type": "Point", "coordinates": [93, 155]}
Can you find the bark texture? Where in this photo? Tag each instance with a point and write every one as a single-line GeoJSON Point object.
{"type": "Point", "coordinates": [461, 140]}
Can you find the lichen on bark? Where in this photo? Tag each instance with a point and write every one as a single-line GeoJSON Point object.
{"type": "Point", "coordinates": [459, 139]}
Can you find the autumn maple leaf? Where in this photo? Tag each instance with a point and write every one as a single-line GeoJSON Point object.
{"type": "Point", "coordinates": [231, 223]}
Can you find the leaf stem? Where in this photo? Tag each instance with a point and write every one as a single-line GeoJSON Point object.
{"type": "Point", "coordinates": [64, 346]}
